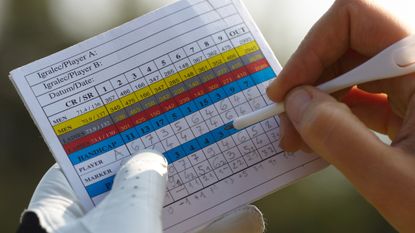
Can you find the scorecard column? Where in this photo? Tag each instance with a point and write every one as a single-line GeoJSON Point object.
{"type": "Point", "coordinates": [216, 159]}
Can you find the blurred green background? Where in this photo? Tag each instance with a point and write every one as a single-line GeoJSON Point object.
{"type": "Point", "coordinates": [29, 30]}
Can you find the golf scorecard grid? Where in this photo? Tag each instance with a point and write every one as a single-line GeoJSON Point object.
{"type": "Point", "coordinates": [169, 81]}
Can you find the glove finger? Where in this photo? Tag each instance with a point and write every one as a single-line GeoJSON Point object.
{"type": "Point", "coordinates": [247, 219]}
{"type": "Point", "coordinates": [54, 202]}
{"type": "Point", "coordinates": [135, 201]}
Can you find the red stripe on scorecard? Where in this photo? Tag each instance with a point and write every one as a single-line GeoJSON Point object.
{"type": "Point", "coordinates": [197, 91]}
{"type": "Point", "coordinates": [183, 98]}
{"type": "Point", "coordinates": [168, 105]}
{"type": "Point", "coordinates": [90, 139]}
{"type": "Point", "coordinates": [139, 118]}
{"type": "Point", "coordinates": [240, 73]}
{"type": "Point", "coordinates": [257, 66]}
{"type": "Point", "coordinates": [226, 78]}
{"type": "Point", "coordinates": [212, 85]}
{"type": "Point", "coordinates": [153, 111]}
{"type": "Point", "coordinates": [124, 124]}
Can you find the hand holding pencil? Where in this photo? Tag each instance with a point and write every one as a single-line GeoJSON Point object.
{"type": "Point", "coordinates": [349, 34]}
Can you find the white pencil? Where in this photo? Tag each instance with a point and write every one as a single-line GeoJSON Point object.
{"type": "Point", "coordinates": [394, 61]}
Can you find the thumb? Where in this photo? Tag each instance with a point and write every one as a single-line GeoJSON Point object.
{"type": "Point", "coordinates": [331, 130]}
{"type": "Point", "coordinates": [383, 174]}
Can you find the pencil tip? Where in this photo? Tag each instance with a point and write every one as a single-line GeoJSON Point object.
{"type": "Point", "coordinates": [229, 126]}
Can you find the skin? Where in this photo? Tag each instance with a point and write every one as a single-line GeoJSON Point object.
{"type": "Point", "coordinates": [351, 32]}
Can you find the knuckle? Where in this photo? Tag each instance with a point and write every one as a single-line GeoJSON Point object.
{"type": "Point", "coordinates": [353, 6]}
{"type": "Point", "coordinates": [348, 3]}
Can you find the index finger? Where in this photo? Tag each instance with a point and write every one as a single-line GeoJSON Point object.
{"type": "Point", "coordinates": [359, 25]}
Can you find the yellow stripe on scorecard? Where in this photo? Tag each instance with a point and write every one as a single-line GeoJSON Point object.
{"type": "Point", "coordinates": [173, 80]}
{"type": "Point", "coordinates": [247, 48]}
{"type": "Point", "coordinates": [157, 87]}
{"type": "Point", "coordinates": [114, 106]}
{"type": "Point", "coordinates": [143, 93]}
{"type": "Point", "coordinates": [230, 55]}
{"type": "Point", "coordinates": [216, 61]}
{"type": "Point", "coordinates": [129, 100]}
{"type": "Point", "coordinates": [187, 73]}
{"type": "Point", "coordinates": [202, 67]}
{"type": "Point", "coordinates": [80, 121]}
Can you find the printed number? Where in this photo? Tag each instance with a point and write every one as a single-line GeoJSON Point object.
{"type": "Point", "coordinates": [139, 85]}
{"type": "Point", "coordinates": [110, 99]}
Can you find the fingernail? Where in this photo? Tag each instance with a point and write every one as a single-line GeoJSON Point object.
{"type": "Point", "coordinates": [296, 104]}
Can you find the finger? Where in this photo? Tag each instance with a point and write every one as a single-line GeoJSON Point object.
{"type": "Point", "coordinates": [290, 139]}
{"type": "Point", "coordinates": [333, 132]}
{"type": "Point", "coordinates": [383, 174]}
{"type": "Point", "coordinates": [135, 201]}
{"type": "Point", "coordinates": [54, 202]}
{"type": "Point", "coordinates": [351, 59]}
{"type": "Point", "coordinates": [359, 25]}
{"type": "Point", "coordinates": [405, 139]}
{"type": "Point", "coordinates": [374, 111]}
{"type": "Point", "coordinates": [399, 90]}
{"type": "Point", "coordinates": [247, 219]}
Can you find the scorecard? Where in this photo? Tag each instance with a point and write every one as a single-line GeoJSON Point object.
{"type": "Point", "coordinates": [170, 81]}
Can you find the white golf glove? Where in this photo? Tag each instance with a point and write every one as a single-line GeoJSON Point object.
{"type": "Point", "coordinates": [133, 205]}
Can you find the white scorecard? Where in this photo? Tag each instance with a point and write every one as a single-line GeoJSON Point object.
{"type": "Point", "coordinates": [171, 81]}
